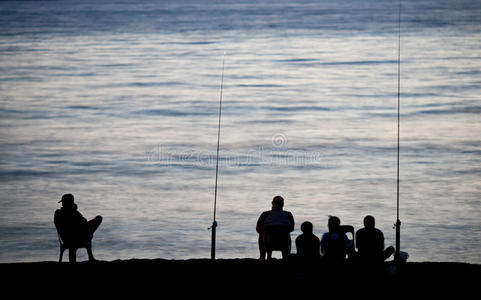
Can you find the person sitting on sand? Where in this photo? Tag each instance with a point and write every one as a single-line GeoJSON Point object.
{"type": "Point", "coordinates": [74, 230]}
{"type": "Point", "coordinates": [334, 243]}
{"type": "Point", "coordinates": [370, 243]}
{"type": "Point", "coordinates": [274, 227]}
{"type": "Point", "coordinates": [308, 245]}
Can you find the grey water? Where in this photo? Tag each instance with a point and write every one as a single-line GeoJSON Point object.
{"type": "Point", "coordinates": [117, 101]}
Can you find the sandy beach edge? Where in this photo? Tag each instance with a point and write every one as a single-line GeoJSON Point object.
{"type": "Point", "coordinates": [243, 275]}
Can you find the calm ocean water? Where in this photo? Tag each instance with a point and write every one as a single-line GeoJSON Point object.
{"type": "Point", "coordinates": [117, 103]}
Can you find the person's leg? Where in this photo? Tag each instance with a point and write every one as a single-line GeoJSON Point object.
{"type": "Point", "coordinates": [262, 247]}
{"type": "Point", "coordinates": [388, 252]}
{"type": "Point", "coordinates": [62, 249]}
{"type": "Point", "coordinates": [89, 252]}
{"type": "Point", "coordinates": [72, 254]}
{"type": "Point", "coordinates": [287, 249]}
{"type": "Point", "coordinates": [94, 224]}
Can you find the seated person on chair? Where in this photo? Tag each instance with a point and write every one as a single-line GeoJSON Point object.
{"type": "Point", "coordinates": [334, 243]}
{"type": "Point", "coordinates": [74, 230]}
{"type": "Point", "coordinates": [308, 245]}
{"type": "Point", "coordinates": [370, 243]}
{"type": "Point", "coordinates": [274, 227]}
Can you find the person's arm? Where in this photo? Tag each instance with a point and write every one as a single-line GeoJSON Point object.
{"type": "Point", "coordinates": [298, 246]}
{"type": "Point", "coordinates": [80, 219]}
{"type": "Point", "coordinates": [381, 239]}
{"type": "Point", "coordinates": [260, 221]}
{"type": "Point", "coordinates": [56, 217]}
{"type": "Point", "coordinates": [291, 219]}
{"type": "Point", "coordinates": [318, 246]}
{"type": "Point", "coordinates": [57, 222]}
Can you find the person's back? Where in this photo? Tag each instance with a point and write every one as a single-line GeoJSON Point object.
{"type": "Point", "coordinates": [370, 242]}
{"type": "Point", "coordinates": [274, 227]}
{"type": "Point", "coordinates": [334, 246]}
{"type": "Point", "coordinates": [71, 225]}
{"type": "Point", "coordinates": [307, 244]}
{"type": "Point", "coordinates": [334, 243]}
{"type": "Point", "coordinates": [278, 218]}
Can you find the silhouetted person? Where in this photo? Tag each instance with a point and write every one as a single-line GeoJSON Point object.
{"type": "Point", "coordinates": [334, 244]}
{"type": "Point", "coordinates": [274, 227]}
{"type": "Point", "coordinates": [308, 245]}
{"type": "Point", "coordinates": [74, 230]}
{"type": "Point", "coordinates": [370, 243]}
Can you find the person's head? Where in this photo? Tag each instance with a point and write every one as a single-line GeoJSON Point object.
{"type": "Point", "coordinates": [369, 222]}
{"type": "Point", "coordinates": [67, 201]}
{"type": "Point", "coordinates": [278, 201]}
{"type": "Point", "coordinates": [306, 227]}
{"type": "Point", "coordinates": [333, 223]}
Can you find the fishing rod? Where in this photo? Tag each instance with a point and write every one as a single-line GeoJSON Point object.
{"type": "Point", "coordinates": [214, 222]}
{"type": "Point", "coordinates": [397, 256]}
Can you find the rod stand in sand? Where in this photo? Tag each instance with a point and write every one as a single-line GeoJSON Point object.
{"type": "Point", "coordinates": [212, 248]}
{"type": "Point", "coordinates": [214, 222]}
{"type": "Point", "coordinates": [397, 253]}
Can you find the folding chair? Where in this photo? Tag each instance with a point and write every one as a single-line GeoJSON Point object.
{"type": "Point", "coordinates": [277, 238]}
{"type": "Point", "coordinates": [350, 250]}
{"type": "Point", "coordinates": [72, 250]}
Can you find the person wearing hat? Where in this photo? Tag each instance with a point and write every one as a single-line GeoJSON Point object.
{"type": "Point", "coordinates": [274, 227]}
{"type": "Point", "coordinates": [73, 228]}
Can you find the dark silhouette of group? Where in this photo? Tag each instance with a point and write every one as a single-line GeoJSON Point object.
{"type": "Point", "coordinates": [274, 228]}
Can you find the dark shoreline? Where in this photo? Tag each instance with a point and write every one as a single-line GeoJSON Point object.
{"type": "Point", "coordinates": [238, 275]}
